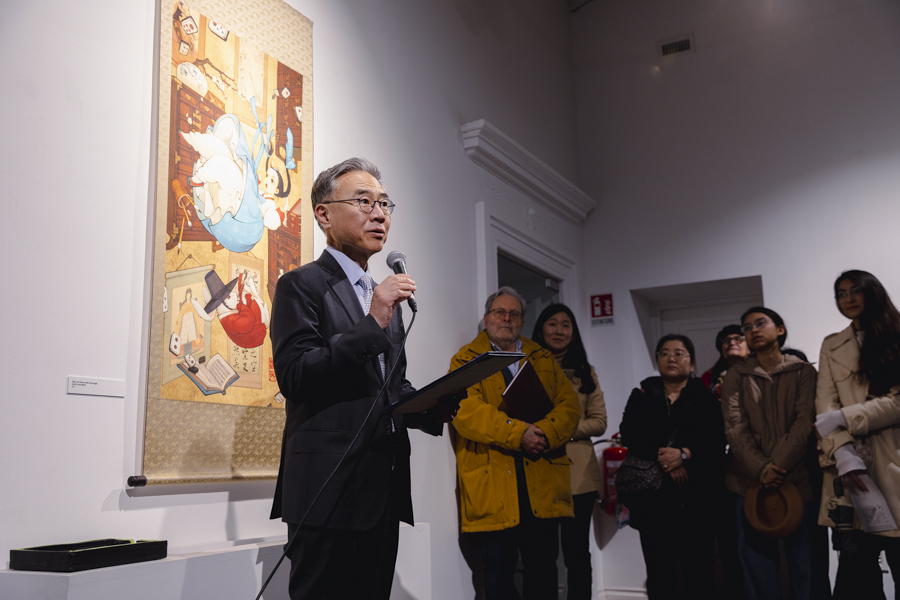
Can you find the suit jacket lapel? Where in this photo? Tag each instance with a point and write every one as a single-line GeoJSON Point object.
{"type": "Point", "coordinates": [341, 286]}
{"type": "Point", "coordinates": [346, 295]}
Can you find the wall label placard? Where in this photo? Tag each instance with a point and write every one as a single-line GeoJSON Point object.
{"type": "Point", "coordinates": [93, 386]}
{"type": "Point", "coordinates": [602, 310]}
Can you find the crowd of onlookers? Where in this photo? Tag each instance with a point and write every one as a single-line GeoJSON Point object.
{"type": "Point", "coordinates": [753, 461]}
{"type": "Point", "coordinates": [761, 450]}
{"type": "Point", "coordinates": [802, 449]}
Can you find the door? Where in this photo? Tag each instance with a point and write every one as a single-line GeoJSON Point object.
{"type": "Point", "coordinates": [539, 290]}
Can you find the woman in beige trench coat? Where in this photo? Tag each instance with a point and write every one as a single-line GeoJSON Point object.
{"type": "Point", "coordinates": [858, 406]}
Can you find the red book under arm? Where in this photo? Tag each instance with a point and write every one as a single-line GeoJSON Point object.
{"type": "Point", "coordinates": [525, 396]}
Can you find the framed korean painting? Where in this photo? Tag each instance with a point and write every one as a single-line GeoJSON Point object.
{"type": "Point", "coordinates": [232, 215]}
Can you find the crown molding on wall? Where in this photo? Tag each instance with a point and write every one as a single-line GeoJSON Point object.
{"type": "Point", "coordinates": [508, 160]}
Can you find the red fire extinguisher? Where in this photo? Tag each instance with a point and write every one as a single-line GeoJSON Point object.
{"type": "Point", "coordinates": [612, 458]}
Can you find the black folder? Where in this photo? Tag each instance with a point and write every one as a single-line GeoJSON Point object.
{"type": "Point", "coordinates": [476, 370]}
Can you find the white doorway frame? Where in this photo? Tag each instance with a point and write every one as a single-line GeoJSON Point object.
{"type": "Point", "coordinates": [494, 235]}
{"type": "Point", "coordinates": [559, 200]}
{"type": "Point", "coordinates": [651, 303]}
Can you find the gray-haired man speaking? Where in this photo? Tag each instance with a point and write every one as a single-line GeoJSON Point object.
{"type": "Point", "coordinates": [335, 334]}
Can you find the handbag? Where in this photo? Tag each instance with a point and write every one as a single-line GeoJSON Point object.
{"type": "Point", "coordinates": [638, 478]}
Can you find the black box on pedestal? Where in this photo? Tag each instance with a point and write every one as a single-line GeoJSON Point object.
{"type": "Point", "coordinates": [93, 554]}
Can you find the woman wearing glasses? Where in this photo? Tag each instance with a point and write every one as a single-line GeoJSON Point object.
{"type": "Point", "coordinates": [768, 407]}
{"type": "Point", "coordinates": [732, 348]}
{"type": "Point", "coordinates": [674, 420]}
{"type": "Point", "coordinates": [557, 331]}
{"type": "Point", "coordinates": [858, 401]}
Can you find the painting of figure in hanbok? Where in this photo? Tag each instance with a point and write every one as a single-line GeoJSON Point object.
{"type": "Point", "coordinates": [240, 309]}
{"type": "Point", "coordinates": [228, 197]}
{"type": "Point", "coordinates": [183, 323]}
{"type": "Point", "coordinates": [187, 324]}
{"type": "Point", "coordinates": [232, 225]}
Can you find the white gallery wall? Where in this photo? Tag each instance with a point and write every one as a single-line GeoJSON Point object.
{"type": "Point", "coordinates": [773, 150]}
{"type": "Point", "coordinates": [393, 81]}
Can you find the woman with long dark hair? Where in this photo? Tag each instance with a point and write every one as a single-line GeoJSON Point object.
{"type": "Point", "coordinates": [674, 421]}
{"type": "Point", "coordinates": [858, 401]}
{"type": "Point", "coordinates": [557, 331]}
{"type": "Point", "coordinates": [768, 404]}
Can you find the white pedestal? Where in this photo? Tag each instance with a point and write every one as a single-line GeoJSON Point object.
{"type": "Point", "coordinates": [234, 573]}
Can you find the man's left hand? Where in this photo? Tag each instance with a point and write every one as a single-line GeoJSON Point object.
{"type": "Point", "coordinates": [534, 441]}
{"type": "Point", "coordinates": [446, 407]}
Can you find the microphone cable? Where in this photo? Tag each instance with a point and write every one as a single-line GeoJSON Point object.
{"type": "Point", "coordinates": [387, 379]}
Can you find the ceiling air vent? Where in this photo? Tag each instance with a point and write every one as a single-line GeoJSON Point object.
{"type": "Point", "coordinates": [681, 45]}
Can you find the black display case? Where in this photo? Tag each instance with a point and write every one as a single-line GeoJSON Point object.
{"type": "Point", "coordinates": [80, 556]}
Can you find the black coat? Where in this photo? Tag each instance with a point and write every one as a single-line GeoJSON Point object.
{"type": "Point", "coordinates": [696, 420]}
{"type": "Point", "coordinates": [326, 361]}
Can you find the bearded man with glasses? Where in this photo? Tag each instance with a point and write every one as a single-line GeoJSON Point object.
{"type": "Point", "coordinates": [514, 476]}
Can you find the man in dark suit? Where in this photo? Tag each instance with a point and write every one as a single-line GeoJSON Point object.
{"type": "Point", "coordinates": [335, 336]}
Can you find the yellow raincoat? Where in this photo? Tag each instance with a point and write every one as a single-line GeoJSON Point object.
{"type": "Point", "coordinates": [486, 440]}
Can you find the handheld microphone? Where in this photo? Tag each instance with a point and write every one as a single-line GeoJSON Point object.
{"type": "Point", "coordinates": [397, 262]}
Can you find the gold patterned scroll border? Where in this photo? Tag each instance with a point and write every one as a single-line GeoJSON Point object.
{"type": "Point", "coordinates": [196, 442]}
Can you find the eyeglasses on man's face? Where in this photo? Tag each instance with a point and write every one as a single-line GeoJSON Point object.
{"type": "Point", "coordinates": [677, 355]}
{"type": "Point", "coordinates": [514, 315]}
{"type": "Point", "coordinates": [844, 295]}
{"type": "Point", "coordinates": [367, 205]}
{"type": "Point", "coordinates": [757, 324]}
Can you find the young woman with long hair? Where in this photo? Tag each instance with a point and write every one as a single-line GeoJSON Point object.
{"type": "Point", "coordinates": [557, 331]}
{"type": "Point", "coordinates": [768, 404]}
{"type": "Point", "coordinates": [858, 401]}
